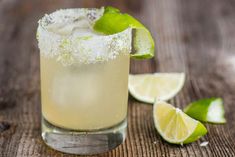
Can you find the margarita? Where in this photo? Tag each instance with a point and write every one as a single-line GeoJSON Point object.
{"type": "Point", "coordinates": [84, 77]}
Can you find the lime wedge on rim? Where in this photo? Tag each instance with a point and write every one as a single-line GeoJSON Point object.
{"type": "Point", "coordinates": [207, 110]}
{"type": "Point", "coordinates": [174, 125]}
{"type": "Point", "coordinates": [113, 21]}
{"type": "Point", "coordinates": [160, 86]}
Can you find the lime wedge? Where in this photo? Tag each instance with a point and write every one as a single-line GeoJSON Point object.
{"type": "Point", "coordinates": [207, 110]}
{"type": "Point", "coordinates": [174, 125]}
{"type": "Point", "coordinates": [160, 86]}
{"type": "Point", "coordinates": [113, 21]}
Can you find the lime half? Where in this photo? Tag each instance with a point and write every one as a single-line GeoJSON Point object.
{"type": "Point", "coordinates": [207, 110]}
{"type": "Point", "coordinates": [175, 126]}
{"type": "Point", "coordinates": [160, 86]}
{"type": "Point", "coordinates": [113, 21]}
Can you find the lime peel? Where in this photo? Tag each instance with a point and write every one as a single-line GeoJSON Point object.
{"type": "Point", "coordinates": [113, 21]}
{"type": "Point", "coordinates": [207, 110]}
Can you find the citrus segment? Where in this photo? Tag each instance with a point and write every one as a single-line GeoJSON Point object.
{"type": "Point", "coordinates": [174, 125]}
{"type": "Point", "coordinates": [160, 86]}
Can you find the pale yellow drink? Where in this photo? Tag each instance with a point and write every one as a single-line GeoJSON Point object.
{"type": "Point", "coordinates": [84, 74]}
{"type": "Point", "coordinates": [87, 96]}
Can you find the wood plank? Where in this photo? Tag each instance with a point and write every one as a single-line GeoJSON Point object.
{"type": "Point", "coordinates": [197, 37]}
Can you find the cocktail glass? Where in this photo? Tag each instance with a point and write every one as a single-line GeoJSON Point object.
{"type": "Point", "coordinates": [84, 83]}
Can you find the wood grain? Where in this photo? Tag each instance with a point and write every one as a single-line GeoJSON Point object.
{"type": "Point", "coordinates": [197, 37]}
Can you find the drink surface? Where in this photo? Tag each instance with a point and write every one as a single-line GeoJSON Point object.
{"type": "Point", "coordinates": [84, 75]}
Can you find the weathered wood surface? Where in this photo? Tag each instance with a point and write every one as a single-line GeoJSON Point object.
{"type": "Point", "coordinates": [197, 36]}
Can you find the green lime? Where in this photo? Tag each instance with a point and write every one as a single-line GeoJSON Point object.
{"type": "Point", "coordinates": [113, 21]}
{"type": "Point", "coordinates": [175, 126]}
{"type": "Point", "coordinates": [207, 110]}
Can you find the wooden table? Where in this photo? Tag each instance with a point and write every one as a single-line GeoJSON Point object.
{"type": "Point", "coordinates": [197, 36]}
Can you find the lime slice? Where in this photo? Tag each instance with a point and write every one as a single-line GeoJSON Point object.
{"type": "Point", "coordinates": [113, 21]}
{"type": "Point", "coordinates": [207, 110]}
{"type": "Point", "coordinates": [160, 86]}
{"type": "Point", "coordinates": [174, 125]}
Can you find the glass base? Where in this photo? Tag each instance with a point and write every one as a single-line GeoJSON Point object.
{"type": "Point", "coordinates": [83, 142]}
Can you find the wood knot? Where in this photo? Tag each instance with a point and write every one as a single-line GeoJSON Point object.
{"type": "Point", "coordinates": [4, 126]}
{"type": "Point", "coordinates": [225, 12]}
{"type": "Point", "coordinates": [7, 99]}
{"type": "Point", "coordinates": [186, 38]}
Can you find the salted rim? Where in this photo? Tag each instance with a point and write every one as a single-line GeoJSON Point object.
{"type": "Point", "coordinates": [69, 49]}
